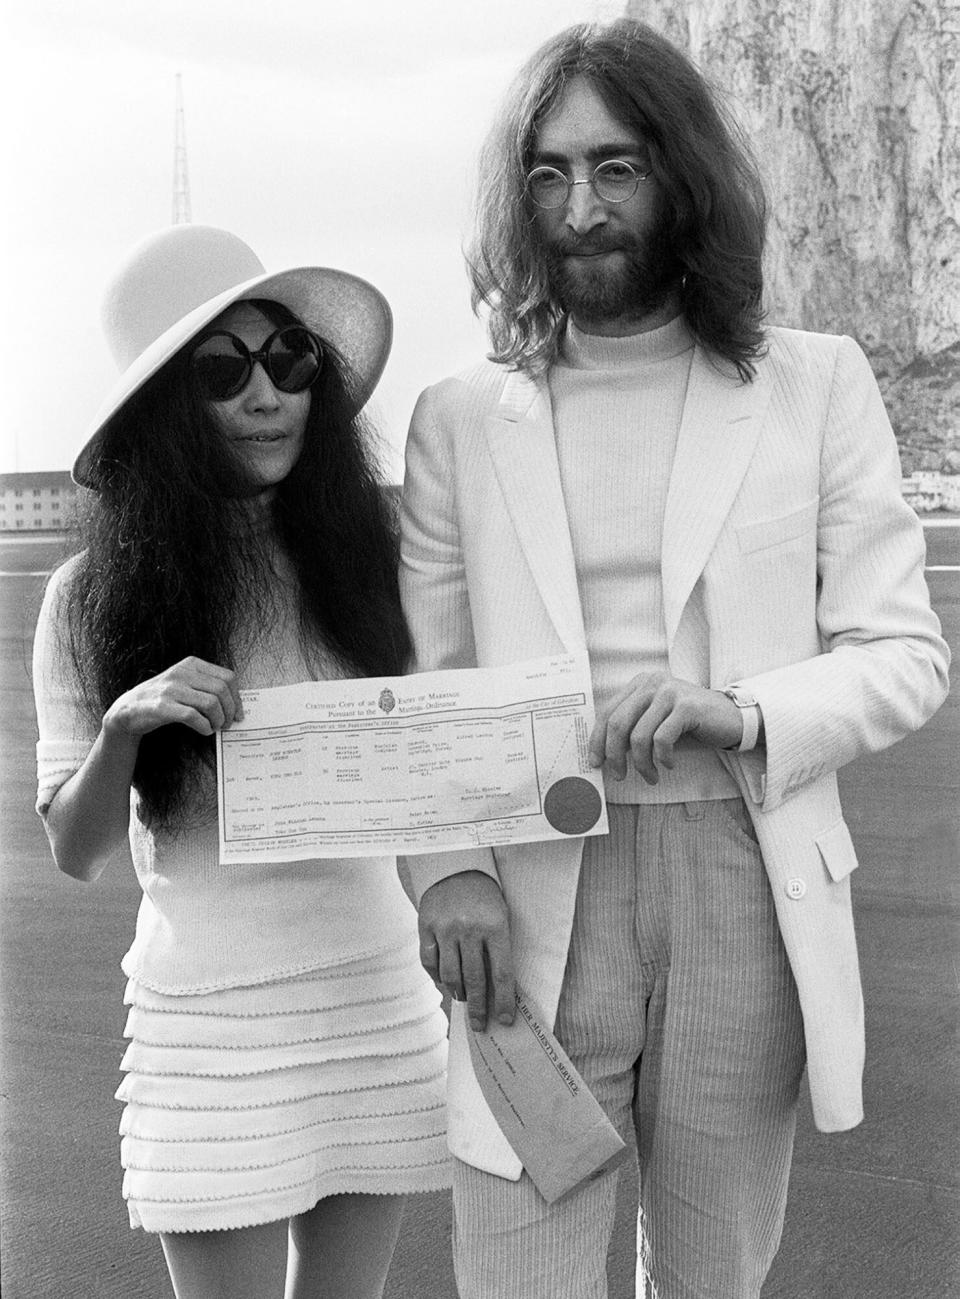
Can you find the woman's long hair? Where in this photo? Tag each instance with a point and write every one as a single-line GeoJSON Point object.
{"type": "Point", "coordinates": [714, 204]}
{"type": "Point", "coordinates": [175, 566]}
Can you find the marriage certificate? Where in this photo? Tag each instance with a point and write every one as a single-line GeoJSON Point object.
{"type": "Point", "coordinates": [416, 764]}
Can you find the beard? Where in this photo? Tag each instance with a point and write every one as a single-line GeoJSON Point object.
{"type": "Point", "coordinates": [635, 285]}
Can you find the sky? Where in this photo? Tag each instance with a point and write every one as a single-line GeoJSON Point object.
{"type": "Point", "coordinates": [343, 134]}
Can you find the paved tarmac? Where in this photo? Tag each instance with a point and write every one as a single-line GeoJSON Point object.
{"type": "Point", "coordinates": [873, 1213]}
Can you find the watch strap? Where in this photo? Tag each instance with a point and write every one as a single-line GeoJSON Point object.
{"type": "Point", "coordinates": [749, 715]}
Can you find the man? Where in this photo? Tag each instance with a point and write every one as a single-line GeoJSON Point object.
{"type": "Point", "coordinates": [713, 511]}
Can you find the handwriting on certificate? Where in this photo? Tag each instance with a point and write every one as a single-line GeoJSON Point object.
{"type": "Point", "coordinates": [424, 763]}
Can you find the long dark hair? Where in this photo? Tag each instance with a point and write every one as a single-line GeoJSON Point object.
{"type": "Point", "coordinates": [174, 566]}
{"type": "Point", "coordinates": [714, 202]}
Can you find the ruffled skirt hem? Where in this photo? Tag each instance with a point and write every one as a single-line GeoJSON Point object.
{"type": "Point", "coordinates": [250, 1105]}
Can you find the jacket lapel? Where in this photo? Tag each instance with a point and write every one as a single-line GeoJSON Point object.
{"type": "Point", "coordinates": [523, 447]}
{"type": "Point", "coordinates": [721, 422]}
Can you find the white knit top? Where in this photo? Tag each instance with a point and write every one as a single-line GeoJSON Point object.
{"type": "Point", "coordinates": [203, 926]}
{"type": "Point", "coordinates": [617, 405]}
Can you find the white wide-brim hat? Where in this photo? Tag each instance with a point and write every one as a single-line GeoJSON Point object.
{"type": "Point", "coordinates": [175, 282]}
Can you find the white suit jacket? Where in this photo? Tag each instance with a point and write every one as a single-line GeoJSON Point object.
{"type": "Point", "coordinates": [790, 564]}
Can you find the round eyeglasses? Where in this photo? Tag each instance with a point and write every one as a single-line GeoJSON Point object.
{"type": "Point", "coordinates": [222, 363]}
{"type": "Point", "coordinates": [614, 181]}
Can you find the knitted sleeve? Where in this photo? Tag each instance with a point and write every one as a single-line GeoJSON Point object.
{"type": "Point", "coordinates": [66, 729]}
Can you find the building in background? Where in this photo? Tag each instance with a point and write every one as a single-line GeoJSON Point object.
{"type": "Point", "coordinates": [41, 501]}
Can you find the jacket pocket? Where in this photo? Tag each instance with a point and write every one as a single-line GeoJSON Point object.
{"type": "Point", "coordinates": [773, 532]}
{"type": "Point", "coordinates": [837, 850]}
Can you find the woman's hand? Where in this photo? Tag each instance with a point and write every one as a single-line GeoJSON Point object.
{"type": "Point", "coordinates": [88, 816]}
{"type": "Point", "coordinates": [194, 693]}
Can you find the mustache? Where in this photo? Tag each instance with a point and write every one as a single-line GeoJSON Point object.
{"type": "Point", "coordinates": [571, 246]}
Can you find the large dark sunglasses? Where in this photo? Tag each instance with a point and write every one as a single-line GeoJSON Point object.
{"type": "Point", "coordinates": [222, 364]}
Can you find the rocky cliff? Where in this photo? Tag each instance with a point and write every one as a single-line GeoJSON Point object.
{"type": "Point", "coordinates": [853, 109]}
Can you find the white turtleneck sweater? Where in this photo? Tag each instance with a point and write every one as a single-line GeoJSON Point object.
{"type": "Point", "coordinates": [617, 404]}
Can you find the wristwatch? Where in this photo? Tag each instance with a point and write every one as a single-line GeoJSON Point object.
{"type": "Point", "coordinates": [749, 715]}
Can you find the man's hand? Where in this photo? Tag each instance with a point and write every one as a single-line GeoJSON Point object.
{"type": "Point", "coordinates": [649, 716]}
{"type": "Point", "coordinates": [465, 944]}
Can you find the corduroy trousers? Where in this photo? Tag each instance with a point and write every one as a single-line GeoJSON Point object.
{"type": "Point", "coordinates": [679, 1010]}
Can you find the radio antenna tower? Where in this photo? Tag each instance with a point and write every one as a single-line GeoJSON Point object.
{"type": "Point", "coordinates": [181, 181]}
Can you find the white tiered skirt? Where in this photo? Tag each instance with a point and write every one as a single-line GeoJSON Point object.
{"type": "Point", "coordinates": [249, 1105]}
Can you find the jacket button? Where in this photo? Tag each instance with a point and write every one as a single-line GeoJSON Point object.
{"type": "Point", "coordinates": [796, 889]}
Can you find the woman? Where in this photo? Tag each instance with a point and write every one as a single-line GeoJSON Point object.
{"type": "Point", "coordinates": [287, 1052]}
